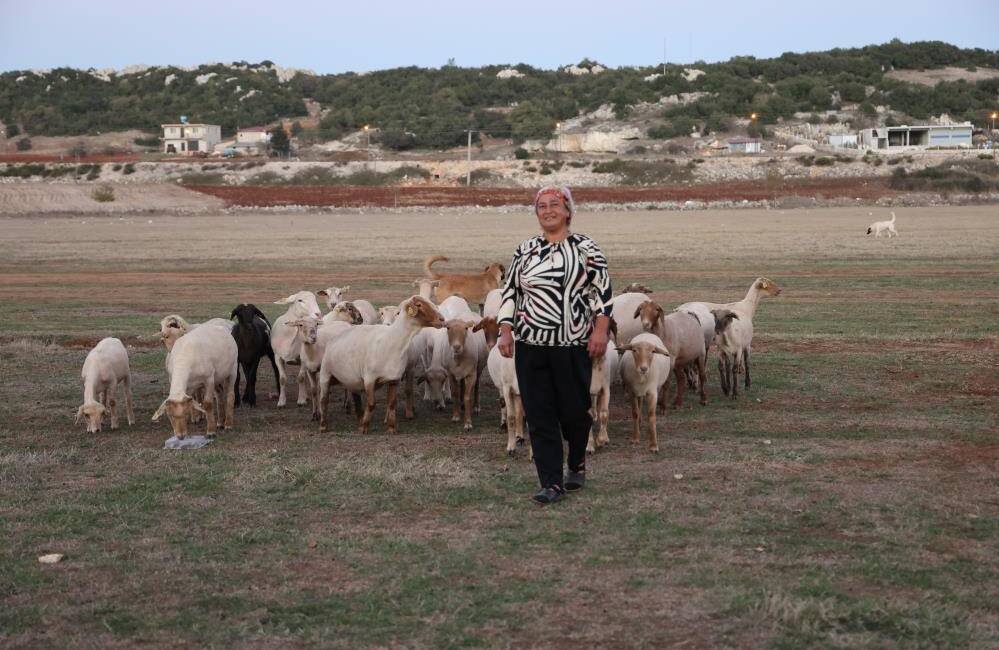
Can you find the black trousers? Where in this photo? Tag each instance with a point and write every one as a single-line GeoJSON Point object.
{"type": "Point", "coordinates": [555, 388]}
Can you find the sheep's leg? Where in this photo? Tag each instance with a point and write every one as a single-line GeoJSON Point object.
{"type": "Point", "coordinates": [681, 385]}
{"type": "Point", "coordinates": [408, 387]}
{"type": "Point", "coordinates": [478, 401]}
{"type": "Point", "coordinates": [240, 365]}
{"type": "Point", "coordinates": [229, 389]}
{"type": "Point", "coordinates": [503, 419]}
{"type": "Point", "coordinates": [358, 408]}
{"type": "Point", "coordinates": [277, 376]}
{"type": "Point", "coordinates": [209, 405]}
{"type": "Point", "coordinates": [127, 381]}
{"type": "Point", "coordinates": [590, 440]}
{"type": "Point", "coordinates": [346, 400]}
{"type": "Point", "coordinates": [282, 369]}
{"type": "Point", "coordinates": [112, 399]}
{"type": "Point", "coordinates": [736, 366]}
{"type": "Point", "coordinates": [651, 412]}
{"type": "Point", "coordinates": [369, 407]}
{"type": "Point", "coordinates": [518, 423]}
{"type": "Point", "coordinates": [470, 386]}
{"type": "Point", "coordinates": [511, 420]}
{"type": "Point", "coordinates": [303, 386]}
{"type": "Point", "coordinates": [745, 362]}
{"type": "Point", "coordinates": [314, 393]}
{"type": "Point", "coordinates": [324, 401]}
{"type": "Point", "coordinates": [455, 399]}
{"type": "Point", "coordinates": [391, 390]}
{"type": "Point", "coordinates": [603, 414]}
{"type": "Point", "coordinates": [723, 372]}
{"type": "Point", "coordinates": [702, 378]}
{"type": "Point", "coordinates": [635, 418]}
{"type": "Point", "coordinates": [250, 395]}
{"type": "Point", "coordinates": [663, 394]}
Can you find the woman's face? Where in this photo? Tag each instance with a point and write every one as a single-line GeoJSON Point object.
{"type": "Point", "coordinates": [552, 213]}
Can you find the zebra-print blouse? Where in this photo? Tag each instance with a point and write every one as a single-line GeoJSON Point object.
{"type": "Point", "coordinates": [553, 291]}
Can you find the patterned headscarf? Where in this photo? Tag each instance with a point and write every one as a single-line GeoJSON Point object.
{"type": "Point", "coordinates": [561, 192]}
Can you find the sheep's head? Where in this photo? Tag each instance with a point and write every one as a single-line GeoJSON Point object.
{"type": "Point", "coordinates": [723, 318]}
{"type": "Point", "coordinates": [93, 413]}
{"type": "Point", "coordinates": [650, 314]}
{"type": "Point", "coordinates": [490, 328]}
{"type": "Point", "coordinates": [423, 312]}
{"type": "Point", "coordinates": [307, 329]}
{"type": "Point", "coordinates": [348, 313]}
{"type": "Point", "coordinates": [333, 295]}
{"type": "Point", "coordinates": [434, 378]}
{"type": "Point", "coordinates": [245, 313]}
{"type": "Point", "coordinates": [637, 287]}
{"type": "Point", "coordinates": [172, 327]}
{"type": "Point", "coordinates": [387, 315]}
{"type": "Point", "coordinates": [643, 353]}
{"type": "Point", "coordinates": [767, 286]}
{"type": "Point", "coordinates": [302, 304]}
{"type": "Point", "coordinates": [179, 411]}
{"type": "Point", "coordinates": [426, 287]}
{"type": "Point", "coordinates": [496, 272]}
{"type": "Point", "coordinates": [457, 334]}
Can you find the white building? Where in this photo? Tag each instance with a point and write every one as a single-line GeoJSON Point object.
{"type": "Point", "coordinates": [920, 136]}
{"type": "Point", "coordinates": [190, 138]}
{"type": "Point", "coordinates": [253, 135]}
{"type": "Point", "coordinates": [843, 140]}
{"type": "Point", "coordinates": [745, 145]}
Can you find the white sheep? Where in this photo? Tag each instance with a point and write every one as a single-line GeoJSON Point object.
{"type": "Point", "coordinates": [494, 300]}
{"type": "Point", "coordinates": [105, 367]}
{"type": "Point", "coordinates": [387, 314]}
{"type": "Point", "coordinates": [313, 335]}
{"type": "Point", "coordinates": [734, 337]}
{"type": "Point", "coordinates": [425, 288]}
{"type": "Point", "coordinates": [681, 334]}
{"type": "Point", "coordinates": [204, 358]}
{"type": "Point", "coordinates": [464, 358]}
{"type": "Point", "coordinates": [645, 369]}
{"type": "Point", "coordinates": [285, 343]}
{"type": "Point", "coordinates": [367, 356]}
{"type": "Point", "coordinates": [605, 369]}
{"type": "Point", "coordinates": [455, 307]}
{"type": "Point", "coordinates": [623, 308]}
{"type": "Point", "coordinates": [503, 372]}
{"type": "Point", "coordinates": [333, 295]}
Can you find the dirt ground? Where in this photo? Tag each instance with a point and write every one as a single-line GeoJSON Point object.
{"type": "Point", "coordinates": [847, 499]}
{"type": "Point", "coordinates": [34, 198]}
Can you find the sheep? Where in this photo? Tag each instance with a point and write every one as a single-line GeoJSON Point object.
{"type": "Point", "coordinates": [435, 374]}
{"type": "Point", "coordinates": [707, 321]}
{"type": "Point", "coordinates": [637, 287]}
{"type": "Point", "coordinates": [731, 345]}
{"type": "Point", "coordinates": [464, 357]}
{"type": "Point", "coordinates": [472, 286]}
{"type": "Point", "coordinates": [494, 300]}
{"type": "Point", "coordinates": [681, 334]}
{"type": "Point", "coordinates": [605, 369]}
{"type": "Point", "coordinates": [623, 311]}
{"type": "Point", "coordinates": [503, 372]}
{"type": "Point", "coordinates": [455, 307]}
{"type": "Point", "coordinates": [105, 367]}
{"type": "Point", "coordinates": [285, 343]}
{"type": "Point", "coordinates": [879, 227]}
{"type": "Point", "coordinates": [367, 356]}
{"type": "Point", "coordinates": [253, 339]}
{"type": "Point", "coordinates": [426, 288]}
{"type": "Point", "coordinates": [387, 314]}
{"type": "Point", "coordinates": [418, 356]}
{"type": "Point", "coordinates": [314, 334]}
{"type": "Point", "coordinates": [333, 295]}
{"type": "Point", "coordinates": [204, 358]}
{"type": "Point", "coordinates": [490, 329]}
{"type": "Point", "coordinates": [345, 312]}
{"type": "Point", "coordinates": [172, 327]}
{"type": "Point", "coordinates": [645, 368]}
{"type": "Point", "coordinates": [745, 309]}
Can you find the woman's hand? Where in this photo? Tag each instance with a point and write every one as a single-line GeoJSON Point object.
{"type": "Point", "coordinates": [598, 338]}
{"type": "Point", "coordinates": [506, 341]}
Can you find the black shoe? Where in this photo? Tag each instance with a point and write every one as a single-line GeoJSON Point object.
{"type": "Point", "coordinates": [575, 480]}
{"type": "Point", "coordinates": [548, 495]}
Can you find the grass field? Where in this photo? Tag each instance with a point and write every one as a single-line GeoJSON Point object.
{"type": "Point", "coordinates": [849, 499]}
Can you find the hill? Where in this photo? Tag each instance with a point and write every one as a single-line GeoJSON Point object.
{"type": "Point", "coordinates": [432, 108]}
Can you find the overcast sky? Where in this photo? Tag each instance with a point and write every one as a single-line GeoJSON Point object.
{"type": "Point", "coordinates": [332, 36]}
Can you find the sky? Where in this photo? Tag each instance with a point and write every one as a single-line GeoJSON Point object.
{"type": "Point", "coordinates": [331, 36]}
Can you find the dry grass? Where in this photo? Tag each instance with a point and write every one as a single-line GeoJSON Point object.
{"type": "Point", "coordinates": [847, 500]}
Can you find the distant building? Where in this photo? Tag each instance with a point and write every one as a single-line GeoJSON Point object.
{"type": "Point", "coordinates": [185, 138]}
{"type": "Point", "coordinates": [745, 145]}
{"type": "Point", "coordinates": [920, 136]}
{"type": "Point", "coordinates": [251, 141]}
{"type": "Point", "coordinates": [253, 135]}
{"type": "Point", "coordinates": [843, 140]}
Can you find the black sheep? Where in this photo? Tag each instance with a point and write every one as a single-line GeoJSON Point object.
{"type": "Point", "coordinates": [253, 338]}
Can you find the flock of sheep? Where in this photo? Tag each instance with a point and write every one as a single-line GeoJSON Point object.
{"type": "Point", "coordinates": [433, 339]}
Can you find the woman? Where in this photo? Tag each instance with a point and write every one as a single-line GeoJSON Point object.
{"type": "Point", "coordinates": [555, 300]}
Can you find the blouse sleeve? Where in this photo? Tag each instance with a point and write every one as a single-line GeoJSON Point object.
{"type": "Point", "coordinates": [508, 306]}
{"type": "Point", "coordinates": [599, 280]}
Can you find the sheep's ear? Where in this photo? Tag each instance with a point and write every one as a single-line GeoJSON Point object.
{"type": "Point", "coordinates": [323, 292]}
{"type": "Point", "coordinates": [232, 314]}
{"type": "Point", "coordinates": [468, 324]}
{"type": "Point", "coordinates": [345, 289]}
{"type": "Point", "coordinates": [161, 410]}
{"type": "Point", "coordinates": [638, 311]}
{"type": "Point", "coordinates": [621, 349]}
{"type": "Point", "coordinates": [660, 349]}
{"type": "Point", "coordinates": [295, 323]}
{"type": "Point", "coordinates": [197, 407]}
{"type": "Point", "coordinates": [421, 380]}
{"type": "Point", "coordinates": [285, 301]}
{"type": "Point", "coordinates": [79, 415]}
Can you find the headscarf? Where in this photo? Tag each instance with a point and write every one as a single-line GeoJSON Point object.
{"type": "Point", "coordinates": [562, 193]}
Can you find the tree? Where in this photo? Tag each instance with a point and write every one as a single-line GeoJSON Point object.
{"type": "Point", "coordinates": [13, 130]}
{"type": "Point", "coordinates": [296, 128]}
{"type": "Point", "coordinates": [24, 144]}
{"type": "Point", "coordinates": [280, 143]}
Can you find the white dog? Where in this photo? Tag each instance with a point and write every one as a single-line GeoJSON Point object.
{"type": "Point", "coordinates": [879, 227]}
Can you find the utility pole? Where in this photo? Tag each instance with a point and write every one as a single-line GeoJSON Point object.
{"type": "Point", "coordinates": [468, 177]}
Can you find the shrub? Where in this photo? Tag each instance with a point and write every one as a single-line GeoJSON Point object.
{"type": "Point", "coordinates": [95, 171]}
{"type": "Point", "coordinates": [147, 142]}
{"type": "Point", "coordinates": [832, 119]}
{"type": "Point", "coordinates": [116, 167]}
{"type": "Point", "coordinates": [641, 172]}
{"type": "Point", "coordinates": [825, 161]}
{"type": "Point", "coordinates": [13, 131]}
{"type": "Point", "coordinates": [577, 164]}
{"type": "Point", "coordinates": [807, 160]}
{"type": "Point", "coordinates": [484, 176]}
{"type": "Point", "coordinates": [102, 194]}
{"type": "Point", "coordinates": [985, 156]}
{"type": "Point", "coordinates": [202, 179]}
{"type": "Point", "coordinates": [638, 150]}
{"type": "Point", "coordinates": [24, 144]}
{"type": "Point", "coordinates": [129, 168]}
{"type": "Point", "coordinates": [520, 153]}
